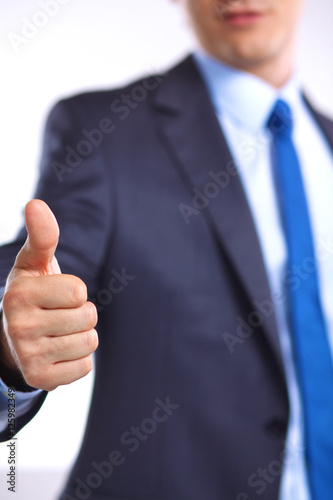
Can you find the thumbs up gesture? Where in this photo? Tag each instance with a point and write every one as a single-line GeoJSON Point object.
{"type": "Point", "coordinates": [48, 323]}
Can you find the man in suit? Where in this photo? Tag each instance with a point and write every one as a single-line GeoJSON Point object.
{"type": "Point", "coordinates": [166, 200]}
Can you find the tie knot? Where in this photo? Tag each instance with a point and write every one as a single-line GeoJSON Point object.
{"type": "Point", "coordinates": [281, 120]}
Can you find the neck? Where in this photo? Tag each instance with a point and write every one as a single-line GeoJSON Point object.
{"type": "Point", "coordinates": [275, 72]}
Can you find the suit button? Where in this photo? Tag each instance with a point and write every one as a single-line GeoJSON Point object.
{"type": "Point", "coordinates": [276, 427]}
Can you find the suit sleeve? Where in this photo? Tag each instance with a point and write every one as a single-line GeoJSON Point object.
{"type": "Point", "coordinates": [75, 182]}
{"type": "Point", "coordinates": [16, 410]}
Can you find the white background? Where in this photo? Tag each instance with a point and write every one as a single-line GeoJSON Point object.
{"type": "Point", "coordinates": [87, 45]}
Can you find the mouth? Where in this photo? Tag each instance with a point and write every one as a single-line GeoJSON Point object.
{"type": "Point", "coordinates": [242, 19]}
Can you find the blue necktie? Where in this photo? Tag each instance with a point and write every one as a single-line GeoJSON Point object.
{"type": "Point", "coordinates": [310, 342]}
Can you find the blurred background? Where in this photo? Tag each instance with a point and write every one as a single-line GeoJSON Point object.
{"type": "Point", "coordinates": [86, 45]}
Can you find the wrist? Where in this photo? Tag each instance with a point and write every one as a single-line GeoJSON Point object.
{"type": "Point", "coordinates": [9, 371]}
{"type": "Point", "coordinates": [6, 358]}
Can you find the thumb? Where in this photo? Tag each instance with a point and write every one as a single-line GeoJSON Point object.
{"type": "Point", "coordinates": [37, 254]}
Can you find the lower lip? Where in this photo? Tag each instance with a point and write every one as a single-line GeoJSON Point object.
{"type": "Point", "coordinates": [243, 20]}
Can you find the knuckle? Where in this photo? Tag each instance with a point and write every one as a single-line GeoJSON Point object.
{"type": "Point", "coordinates": [46, 378]}
{"type": "Point", "coordinates": [41, 379]}
{"type": "Point", "coordinates": [32, 380]}
{"type": "Point", "coordinates": [20, 328]}
{"type": "Point", "coordinates": [14, 328]}
{"type": "Point", "coordinates": [53, 348]}
{"type": "Point", "coordinates": [8, 300]}
{"type": "Point", "coordinates": [29, 358]}
{"type": "Point", "coordinates": [35, 369]}
{"type": "Point", "coordinates": [95, 340]}
{"type": "Point", "coordinates": [79, 290]}
{"type": "Point", "coordinates": [92, 340]}
{"type": "Point", "coordinates": [15, 296]}
{"type": "Point", "coordinates": [36, 376]}
{"type": "Point", "coordinates": [87, 365]}
{"type": "Point", "coordinates": [91, 312]}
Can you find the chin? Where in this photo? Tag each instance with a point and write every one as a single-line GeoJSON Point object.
{"type": "Point", "coordinates": [245, 55]}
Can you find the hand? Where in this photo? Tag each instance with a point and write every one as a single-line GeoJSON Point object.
{"type": "Point", "coordinates": [48, 323]}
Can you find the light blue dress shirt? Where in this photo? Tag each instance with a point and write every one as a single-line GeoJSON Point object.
{"type": "Point", "coordinates": [243, 104]}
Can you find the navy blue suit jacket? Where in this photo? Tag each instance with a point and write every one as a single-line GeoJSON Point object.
{"type": "Point", "coordinates": [190, 400]}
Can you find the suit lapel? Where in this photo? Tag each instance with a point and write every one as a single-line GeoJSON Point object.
{"type": "Point", "coordinates": [191, 132]}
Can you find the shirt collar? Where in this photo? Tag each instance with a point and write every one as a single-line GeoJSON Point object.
{"type": "Point", "coordinates": [246, 99]}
